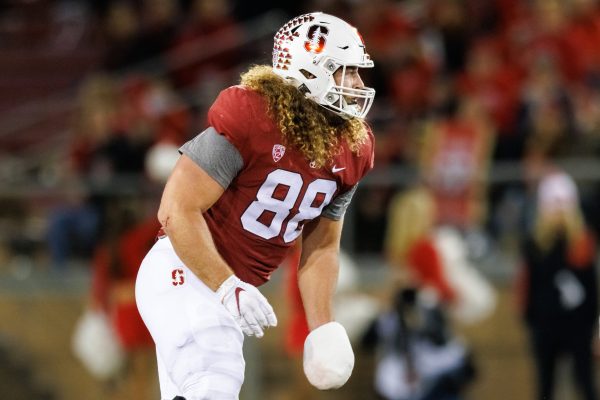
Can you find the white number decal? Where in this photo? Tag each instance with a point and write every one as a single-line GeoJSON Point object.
{"type": "Point", "coordinates": [306, 211]}
{"type": "Point", "coordinates": [266, 202]}
{"type": "Point", "coordinates": [280, 208]}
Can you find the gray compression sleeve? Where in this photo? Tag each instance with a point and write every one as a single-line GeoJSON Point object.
{"type": "Point", "coordinates": [337, 208]}
{"type": "Point", "coordinates": [216, 155]}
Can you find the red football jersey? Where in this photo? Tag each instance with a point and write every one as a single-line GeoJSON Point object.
{"type": "Point", "coordinates": [262, 212]}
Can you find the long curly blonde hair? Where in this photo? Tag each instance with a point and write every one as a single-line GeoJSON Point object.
{"type": "Point", "coordinates": [305, 125]}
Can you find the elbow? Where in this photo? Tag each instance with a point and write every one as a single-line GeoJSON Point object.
{"type": "Point", "coordinates": [173, 216]}
{"type": "Point", "coordinates": [164, 216]}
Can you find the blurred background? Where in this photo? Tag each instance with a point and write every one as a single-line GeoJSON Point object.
{"type": "Point", "coordinates": [478, 102]}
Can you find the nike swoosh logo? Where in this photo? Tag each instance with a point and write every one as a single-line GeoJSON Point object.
{"type": "Point", "coordinates": [335, 169]}
{"type": "Point", "coordinates": [238, 290]}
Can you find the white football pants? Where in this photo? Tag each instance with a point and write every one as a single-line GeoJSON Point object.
{"type": "Point", "coordinates": [198, 343]}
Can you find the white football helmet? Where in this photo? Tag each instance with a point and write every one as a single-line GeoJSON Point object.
{"type": "Point", "coordinates": [310, 48]}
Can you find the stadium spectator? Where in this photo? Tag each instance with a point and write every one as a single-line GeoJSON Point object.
{"type": "Point", "coordinates": [558, 287]}
{"type": "Point", "coordinates": [73, 226]}
{"type": "Point", "coordinates": [454, 160]}
{"type": "Point", "coordinates": [417, 355]}
{"type": "Point", "coordinates": [434, 259]}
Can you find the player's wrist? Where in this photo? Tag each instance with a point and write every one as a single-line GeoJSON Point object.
{"type": "Point", "coordinates": [315, 322]}
{"type": "Point", "coordinates": [227, 285]}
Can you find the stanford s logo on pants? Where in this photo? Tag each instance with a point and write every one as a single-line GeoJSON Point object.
{"type": "Point", "coordinates": [178, 277]}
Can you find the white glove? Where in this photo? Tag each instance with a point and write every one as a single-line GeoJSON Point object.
{"type": "Point", "coordinates": [249, 307]}
{"type": "Point", "coordinates": [328, 356]}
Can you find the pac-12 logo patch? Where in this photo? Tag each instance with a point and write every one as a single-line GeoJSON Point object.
{"type": "Point", "coordinates": [278, 152]}
{"type": "Point", "coordinates": [178, 277]}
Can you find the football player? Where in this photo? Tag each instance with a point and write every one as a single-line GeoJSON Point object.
{"type": "Point", "coordinates": [279, 162]}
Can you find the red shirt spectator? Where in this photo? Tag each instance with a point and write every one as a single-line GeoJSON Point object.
{"type": "Point", "coordinates": [424, 262]}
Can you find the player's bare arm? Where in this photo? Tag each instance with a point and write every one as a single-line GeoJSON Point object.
{"type": "Point", "coordinates": [328, 357]}
{"type": "Point", "coordinates": [319, 265]}
{"type": "Point", "coordinates": [189, 192]}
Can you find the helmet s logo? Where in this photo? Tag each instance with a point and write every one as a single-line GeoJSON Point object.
{"type": "Point", "coordinates": [317, 36]}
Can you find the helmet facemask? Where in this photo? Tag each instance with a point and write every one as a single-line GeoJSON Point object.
{"type": "Point", "coordinates": [346, 101]}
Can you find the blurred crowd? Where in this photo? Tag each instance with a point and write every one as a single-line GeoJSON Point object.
{"type": "Point", "coordinates": [463, 88]}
